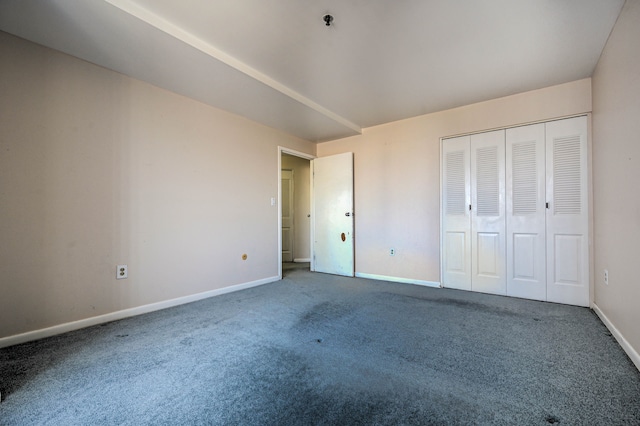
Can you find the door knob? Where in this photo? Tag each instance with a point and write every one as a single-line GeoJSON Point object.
{"type": "Point", "coordinates": [347, 214]}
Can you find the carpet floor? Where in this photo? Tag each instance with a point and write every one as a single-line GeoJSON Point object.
{"type": "Point", "coordinates": [317, 349]}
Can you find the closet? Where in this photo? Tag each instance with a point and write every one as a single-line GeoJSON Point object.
{"type": "Point", "coordinates": [515, 212]}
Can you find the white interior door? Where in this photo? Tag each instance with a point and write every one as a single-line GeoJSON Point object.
{"type": "Point", "coordinates": [287, 215]}
{"type": "Point", "coordinates": [567, 212]}
{"type": "Point", "coordinates": [488, 273]}
{"type": "Point", "coordinates": [333, 247]}
{"type": "Point", "coordinates": [525, 169]}
{"type": "Point", "coordinates": [456, 215]}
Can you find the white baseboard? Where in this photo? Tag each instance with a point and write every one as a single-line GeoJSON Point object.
{"type": "Point", "coordinates": [631, 352]}
{"type": "Point", "coordinates": [302, 260]}
{"type": "Point", "coordinates": [397, 280]}
{"type": "Point", "coordinates": [113, 316]}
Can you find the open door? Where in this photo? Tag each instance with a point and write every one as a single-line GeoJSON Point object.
{"type": "Point", "coordinates": [333, 244]}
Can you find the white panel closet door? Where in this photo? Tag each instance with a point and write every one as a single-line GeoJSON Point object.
{"type": "Point", "coordinates": [567, 212]}
{"type": "Point", "coordinates": [525, 169]}
{"type": "Point", "coordinates": [456, 225]}
{"type": "Point", "coordinates": [488, 273]}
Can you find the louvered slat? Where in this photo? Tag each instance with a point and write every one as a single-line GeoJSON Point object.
{"type": "Point", "coordinates": [567, 193]}
{"type": "Point", "coordinates": [488, 183]}
{"type": "Point", "coordinates": [525, 178]}
{"type": "Point", "coordinates": [455, 183]}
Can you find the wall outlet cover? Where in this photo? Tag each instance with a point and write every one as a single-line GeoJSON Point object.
{"type": "Point", "coordinates": [122, 272]}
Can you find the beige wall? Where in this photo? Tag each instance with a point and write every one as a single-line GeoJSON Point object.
{"type": "Point", "coordinates": [302, 202]}
{"type": "Point", "coordinates": [98, 169]}
{"type": "Point", "coordinates": [397, 175]}
{"type": "Point", "coordinates": [616, 171]}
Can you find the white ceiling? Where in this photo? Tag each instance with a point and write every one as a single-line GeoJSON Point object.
{"type": "Point", "coordinates": [277, 63]}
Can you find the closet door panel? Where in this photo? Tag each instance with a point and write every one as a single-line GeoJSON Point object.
{"type": "Point", "coordinates": [456, 226]}
{"type": "Point", "coordinates": [567, 212]}
{"type": "Point", "coordinates": [525, 181]}
{"type": "Point", "coordinates": [487, 213]}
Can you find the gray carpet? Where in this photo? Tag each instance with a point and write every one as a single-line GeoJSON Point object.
{"type": "Point", "coordinates": [320, 349]}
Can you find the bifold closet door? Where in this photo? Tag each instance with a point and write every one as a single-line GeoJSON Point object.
{"type": "Point", "coordinates": [525, 170]}
{"type": "Point", "coordinates": [456, 225]}
{"type": "Point", "coordinates": [515, 212]}
{"type": "Point", "coordinates": [567, 212]}
{"type": "Point", "coordinates": [488, 263]}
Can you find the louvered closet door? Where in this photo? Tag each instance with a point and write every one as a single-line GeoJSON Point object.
{"type": "Point", "coordinates": [488, 213]}
{"type": "Point", "coordinates": [525, 169]}
{"type": "Point", "coordinates": [567, 215]}
{"type": "Point", "coordinates": [456, 225]}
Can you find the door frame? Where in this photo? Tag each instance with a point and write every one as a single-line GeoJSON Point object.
{"type": "Point", "coordinates": [288, 151]}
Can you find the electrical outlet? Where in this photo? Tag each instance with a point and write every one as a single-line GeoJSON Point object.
{"type": "Point", "coordinates": [606, 277]}
{"type": "Point", "coordinates": [392, 252]}
{"type": "Point", "coordinates": [122, 272]}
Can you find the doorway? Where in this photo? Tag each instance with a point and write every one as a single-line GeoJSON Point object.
{"type": "Point", "coordinates": [323, 221]}
{"type": "Point", "coordinates": [294, 221]}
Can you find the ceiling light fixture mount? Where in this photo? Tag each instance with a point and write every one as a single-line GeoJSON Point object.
{"type": "Point", "coordinates": [328, 19]}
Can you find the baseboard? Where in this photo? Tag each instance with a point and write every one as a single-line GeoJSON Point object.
{"type": "Point", "coordinates": [126, 313]}
{"type": "Point", "coordinates": [302, 260]}
{"type": "Point", "coordinates": [632, 353]}
{"type": "Point", "coordinates": [397, 280]}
